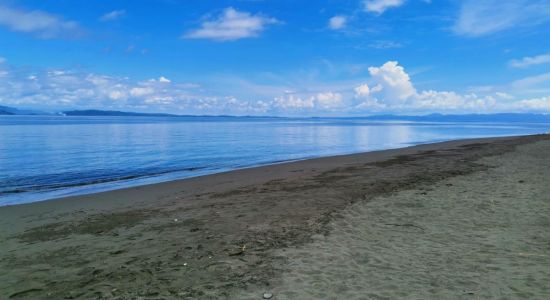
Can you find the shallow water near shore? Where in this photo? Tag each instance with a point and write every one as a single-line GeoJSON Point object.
{"type": "Point", "coordinates": [44, 157]}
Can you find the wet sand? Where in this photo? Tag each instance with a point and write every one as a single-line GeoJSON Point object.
{"type": "Point", "coordinates": [463, 219]}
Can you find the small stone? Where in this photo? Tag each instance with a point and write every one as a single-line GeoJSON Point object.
{"type": "Point", "coordinates": [175, 220]}
{"type": "Point", "coordinates": [268, 295]}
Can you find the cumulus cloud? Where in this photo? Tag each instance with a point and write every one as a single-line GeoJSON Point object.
{"type": "Point", "coordinates": [390, 89]}
{"type": "Point", "coordinates": [362, 91]}
{"type": "Point", "coordinates": [530, 61]}
{"type": "Point", "coordinates": [329, 100]}
{"type": "Point", "coordinates": [113, 15]}
{"type": "Point", "coordinates": [38, 23]}
{"type": "Point", "coordinates": [483, 17]}
{"type": "Point", "coordinates": [380, 6]}
{"type": "Point", "coordinates": [232, 25]}
{"type": "Point", "coordinates": [337, 22]}
{"type": "Point", "coordinates": [392, 82]}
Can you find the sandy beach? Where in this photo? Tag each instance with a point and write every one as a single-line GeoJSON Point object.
{"type": "Point", "coordinates": [463, 219]}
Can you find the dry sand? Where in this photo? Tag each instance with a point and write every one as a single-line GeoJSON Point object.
{"type": "Point", "coordinates": [463, 219]}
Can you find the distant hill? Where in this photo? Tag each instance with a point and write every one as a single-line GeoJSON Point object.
{"type": "Point", "coordinates": [502, 117]}
{"type": "Point", "coordinates": [94, 112]}
{"type": "Point", "coordinates": [6, 110]}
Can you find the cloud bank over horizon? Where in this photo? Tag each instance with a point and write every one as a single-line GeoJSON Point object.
{"type": "Point", "coordinates": [388, 89]}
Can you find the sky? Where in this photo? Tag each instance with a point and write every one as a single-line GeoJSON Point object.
{"type": "Point", "coordinates": [277, 57]}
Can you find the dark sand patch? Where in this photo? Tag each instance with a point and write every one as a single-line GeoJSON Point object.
{"type": "Point", "coordinates": [95, 224]}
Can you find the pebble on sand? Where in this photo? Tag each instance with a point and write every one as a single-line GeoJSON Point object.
{"type": "Point", "coordinates": [268, 295]}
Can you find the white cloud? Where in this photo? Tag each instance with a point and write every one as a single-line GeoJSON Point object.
{"type": "Point", "coordinates": [385, 45]}
{"type": "Point", "coordinates": [532, 81]}
{"type": "Point", "coordinates": [113, 15]}
{"type": "Point", "coordinates": [380, 6]}
{"type": "Point", "coordinates": [80, 90]}
{"type": "Point", "coordinates": [388, 89]}
{"type": "Point", "coordinates": [38, 23]}
{"type": "Point", "coordinates": [329, 100]}
{"type": "Point", "coordinates": [393, 91]}
{"type": "Point", "coordinates": [451, 101]}
{"type": "Point", "coordinates": [362, 91]}
{"type": "Point", "coordinates": [392, 81]}
{"type": "Point", "coordinates": [337, 22]}
{"type": "Point", "coordinates": [141, 91]}
{"type": "Point", "coordinates": [164, 79]}
{"type": "Point", "coordinates": [530, 61]}
{"type": "Point", "coordinates": [534, 104]}
{"type": "Point", "coordinates": [65, 89]}
{"type": "Point", "coordinates": [503, 95]}
{"type": "Point", "coordinates": [232, 25]}
{"type": "Point", "coordinates": [2, 60]}
{"type": "Point", "coordinates": [293, 102]}
{"type": "Point", "coordinates": [483, 17]}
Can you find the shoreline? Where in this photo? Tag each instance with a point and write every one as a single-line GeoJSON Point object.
{"type": "Point", "coordinates": [120, 184]}
{"type": "Point", "coordinates": [216, 235]}
{"type": "Point", "coordinates": [271, 164]}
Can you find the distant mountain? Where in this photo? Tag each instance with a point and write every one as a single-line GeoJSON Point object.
{"type": "Point", "coordinates": [6, 110]}
{"type": "Point", "coordinates": [502, 117]}
{"type": "Point", "coordinates": [114, 113]}
{"type": "Point", "coordinates": [111, 113]}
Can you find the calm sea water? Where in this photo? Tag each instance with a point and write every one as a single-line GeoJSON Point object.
{"type": "Point", "coordinates": [54, 156]}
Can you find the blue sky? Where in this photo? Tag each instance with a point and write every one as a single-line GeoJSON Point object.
{"type": "Point", "coordinates": [284, 57]}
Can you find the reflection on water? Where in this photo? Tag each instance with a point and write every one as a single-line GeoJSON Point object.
{"type": "Point", "coordinates": [47, 157]}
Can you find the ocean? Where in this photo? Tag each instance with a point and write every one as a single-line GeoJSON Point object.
{"type": "Point", "coordinates": [46, 157]}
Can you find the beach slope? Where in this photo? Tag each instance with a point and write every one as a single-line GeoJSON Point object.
{"type": "Point", "coordinates": [457, 219]}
